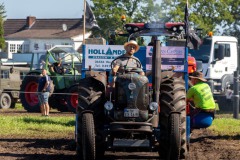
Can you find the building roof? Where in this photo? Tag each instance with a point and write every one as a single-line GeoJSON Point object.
{"type": "Point", "coordinates": [42, 28]}
{"type": "Point", "coordinates": [45, 33]}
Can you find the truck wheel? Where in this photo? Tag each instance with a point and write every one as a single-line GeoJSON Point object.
{"type": "Point", "coordinates": [28, 96]}
{"type": "Point", "coordinates": [5, 101]}
{"type": "Point", "coordinates": [72, 98]}
{"type": "Point", "coordinates": [88, 137]}
{"type": "Point", "coordinates": [172, 101]}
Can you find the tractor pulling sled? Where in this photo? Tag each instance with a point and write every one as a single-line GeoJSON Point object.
{"type": "Point", "coordinates": [134, 114]}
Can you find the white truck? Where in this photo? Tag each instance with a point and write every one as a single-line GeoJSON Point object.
{"type": "Point", "coordinates": [216, 69]}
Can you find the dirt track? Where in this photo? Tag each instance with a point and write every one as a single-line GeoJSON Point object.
{"type": "Point", "coordinates": [203, 146]}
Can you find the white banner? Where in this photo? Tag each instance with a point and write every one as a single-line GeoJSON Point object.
{"type": "Point", "coordinates": [101, 56]}
{"type": "Point", "coordinates": [171, 57]}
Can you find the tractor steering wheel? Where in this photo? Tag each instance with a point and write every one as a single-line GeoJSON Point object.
{"type": "Point", "coordinates": [129, 69]}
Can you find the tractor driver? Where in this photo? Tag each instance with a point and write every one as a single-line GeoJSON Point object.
{"type": "Point", "coordinates": [57, 67]}
{"type": "Point", "coordinates": [131, 47]}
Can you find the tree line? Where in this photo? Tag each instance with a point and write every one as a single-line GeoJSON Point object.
{"type": "Point", "coordinates": [222, 17]}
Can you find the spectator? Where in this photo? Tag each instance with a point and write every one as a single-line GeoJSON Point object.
{"type": "Point", "coordinates": [43, 92]}
{"type": "Point", "coordinates": [154, 38]}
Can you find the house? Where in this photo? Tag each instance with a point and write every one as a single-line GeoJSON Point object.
{"type": "Point", "coordinates": [38, 35]}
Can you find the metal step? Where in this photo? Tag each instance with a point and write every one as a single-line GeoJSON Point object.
{"type": "Point", "coordinates": [130, 143]}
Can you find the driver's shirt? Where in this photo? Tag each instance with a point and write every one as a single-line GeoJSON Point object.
{"type": "Point", "coordinates": [124, 62]}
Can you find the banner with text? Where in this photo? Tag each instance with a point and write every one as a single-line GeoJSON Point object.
{"type": "Point", "coordinates": [101, 56]}
{"type": "Point", "coordinates": [172, 57]}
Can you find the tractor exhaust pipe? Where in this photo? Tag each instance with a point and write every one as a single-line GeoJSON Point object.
{"type": "Point", "coordinates": [156, 70]}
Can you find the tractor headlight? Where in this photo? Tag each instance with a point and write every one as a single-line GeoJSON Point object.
{"type": "Point", "coordinates": [135, 29]}
{"type": "Point", "coordinates": [132, 86]}
{"type": "Point", "coordinates": [181, 28]}
{"type": "Point", "coordinates": [129, 28]}
{"type": "Point", "coordinates": [153, 106]}
{"type": "Point", "coordinates": [108, 105]}
{"type": "Point", "coordinates": [174, 29]}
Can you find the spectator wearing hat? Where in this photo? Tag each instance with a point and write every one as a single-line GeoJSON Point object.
{"type": "Point", "coordinates": [201, 95]}
{"type": "Point", "coordinates": [128, 59]}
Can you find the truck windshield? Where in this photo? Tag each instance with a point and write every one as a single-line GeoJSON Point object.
{"type": "Point", "coordinates": [202, 54]}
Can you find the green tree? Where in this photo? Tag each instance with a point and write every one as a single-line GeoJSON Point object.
{"type": "Point", "coordinates": [108, 14]}
{"type": "Point", "coordinates": [2, 16]}
{"type": "Point", "coordinates": [210, 15]}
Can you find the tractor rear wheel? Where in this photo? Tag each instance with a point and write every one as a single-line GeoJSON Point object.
{"type": "Point", "coordinates": [28, 96]}
{"type": "Point", "coordinates": [72, 98]}
{"type": "Point", "coordinates": [173, 114]}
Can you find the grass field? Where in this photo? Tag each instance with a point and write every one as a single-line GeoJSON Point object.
{"type": "Point", "coordinates": [35, 125]}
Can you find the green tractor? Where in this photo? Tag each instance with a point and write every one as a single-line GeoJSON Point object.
{"type": "Point", "coordinates": [62, 95]}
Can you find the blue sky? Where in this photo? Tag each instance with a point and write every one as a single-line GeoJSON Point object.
{"type": "Point", "coordinates": [43, 8]}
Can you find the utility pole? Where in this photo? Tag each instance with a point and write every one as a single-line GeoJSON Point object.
{"type": "Point", "coordinates": [84, 21]}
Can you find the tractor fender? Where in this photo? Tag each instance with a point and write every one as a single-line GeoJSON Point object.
{"type": "Point", "coordinates": [100, 76]}
{"type": "Point", "coordinates": [165, 75]}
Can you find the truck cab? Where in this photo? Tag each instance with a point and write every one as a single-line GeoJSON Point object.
{"type": "Point", "coordinates": [218, 70]}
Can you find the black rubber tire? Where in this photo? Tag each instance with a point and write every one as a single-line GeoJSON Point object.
{"type": "Point", "coordinates": [172, 99]}
{"type": "Point", "coordinates": [5, 101]}
{"type": "Point", "coordinates": [91, 97]}
{"type": "Point", "coordinates": [72, 98]}
{"type": "Point", "coordinates": [88, 137]}
{"type": "Point", "coordinates": [30, 100]}
{"type": "Point", "coordinates": [78, 137]}
{"type": "Point", "coordinates": [58, 102]}
{"type": "Point", "coordinates": [175, 136]}
{"type": "Point", "coordinates": [13, 104]}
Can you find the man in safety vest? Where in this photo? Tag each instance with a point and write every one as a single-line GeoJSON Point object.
{"type": "Point", "coordinates": [201, 95]}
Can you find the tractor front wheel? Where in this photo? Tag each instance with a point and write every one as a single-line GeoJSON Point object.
{"type": "Point", "coordinates": [172, 119]}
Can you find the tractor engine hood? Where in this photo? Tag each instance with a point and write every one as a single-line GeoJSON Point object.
{"type": "Point", "coordinates": [131, 91]}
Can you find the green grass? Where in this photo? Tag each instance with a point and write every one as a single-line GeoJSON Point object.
{"type": "Point", "coordinates": [62, 126]}
{"type": "Point", "coordinates": [226, 126]}
{"type": "Point", "coordinates": [37, 126]}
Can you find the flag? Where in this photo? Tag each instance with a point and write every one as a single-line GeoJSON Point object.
{"type": "Point", "coordinates": [186, 21]}
{"type": "Point", "coordinates": [91, 22]}
{"type": "Point", "coordinates": [192, 40]}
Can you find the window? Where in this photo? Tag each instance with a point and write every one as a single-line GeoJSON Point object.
{"type": "Point", "coordinates": [48, 46]}
{"type": "Point", "coordinates": [66, 43]}
{"type": "Point", "coordinates": [26, 48]}
{"type": "Point", "coordinates": [19, 48]}
{"type": "Point", "coordinates": [36, 47]}
{"type": "Point", "coordinates": [12, 48]}
{"type": "Point", "coordinates": [227, 52]}
{"type": "Point", "coordinates": [5, 74]}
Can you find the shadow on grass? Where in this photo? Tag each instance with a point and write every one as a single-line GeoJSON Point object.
{"type": "Point", "coordinates": [48, 121]}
